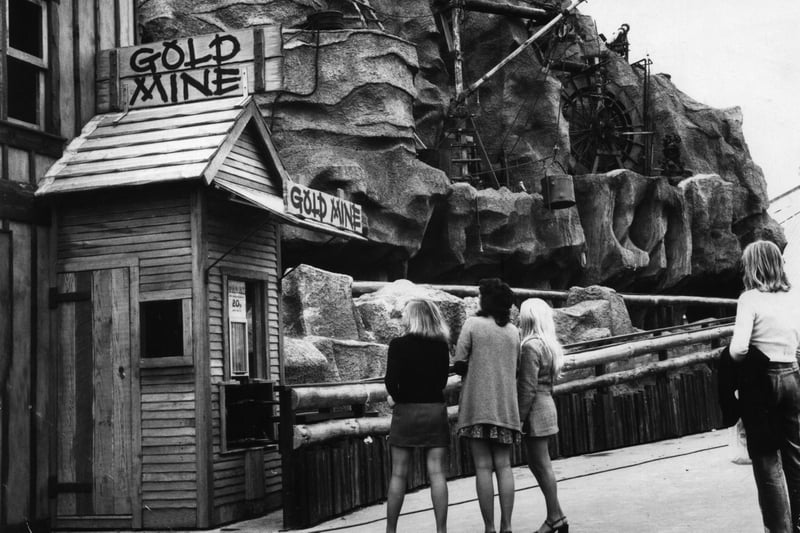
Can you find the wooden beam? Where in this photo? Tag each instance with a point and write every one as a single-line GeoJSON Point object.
{"type": "Point", "coordinates": [30, 139]}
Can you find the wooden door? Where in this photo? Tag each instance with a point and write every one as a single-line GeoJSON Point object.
{"type": "Point", "coordinates": [95, 408]}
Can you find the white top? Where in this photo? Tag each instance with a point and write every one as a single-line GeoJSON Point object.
{"type": "Point", "coordinates": [770, 321]}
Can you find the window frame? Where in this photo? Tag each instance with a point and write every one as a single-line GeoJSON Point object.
{"type": "Point", "coordinates": [261, 349]}
{"type": "Point", "coordinates": [41, 64]}
{"type": "Point", "coordinates": [187, 359]}
{"type": "Point", "coordinates": [260, 326]}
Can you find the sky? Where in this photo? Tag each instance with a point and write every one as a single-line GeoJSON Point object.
{"type": "Point", "coordinates": [726, 53]}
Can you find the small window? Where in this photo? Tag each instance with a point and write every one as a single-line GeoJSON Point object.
{"type": "Point", "coordinates": [26, 61]}
{"type": "Point", "coordinates": [25, 27]}
{"type": "Point", "coordinates": [162, 328]}
{"type": "Point", "coordinates": [248, 415]}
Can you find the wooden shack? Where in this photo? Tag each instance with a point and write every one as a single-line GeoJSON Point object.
{"type": "Point", "coordinates": [166, 330]}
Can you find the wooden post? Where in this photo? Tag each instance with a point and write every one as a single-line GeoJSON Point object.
{"type": "Point", "coordinates": [291, 503]}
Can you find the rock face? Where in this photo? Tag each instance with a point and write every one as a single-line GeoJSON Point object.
{"type": "Point", "coordinates": [319, 303]}
{"type": "Point", "coordinates": [358, 104]}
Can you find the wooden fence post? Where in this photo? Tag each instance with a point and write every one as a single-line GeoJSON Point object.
{"type": "Point", "coordinates": [291, 502]}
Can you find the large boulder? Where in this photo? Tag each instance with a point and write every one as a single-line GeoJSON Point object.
{"type": "Point", "coordinates": [317, 302]}
{"type": "Point", "coordinates": [619, 320]}
{"type": "Point", "coordinates": [353, 360]}
{"type": "Point", "coordinates": [381, 311]}
{"type": "Point", "coordinates": [585, 321]}
{"type": "Point", "coordinates": [304, 363]}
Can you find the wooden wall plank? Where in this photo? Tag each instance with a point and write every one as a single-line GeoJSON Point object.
{"type": "Point", "coordinates": [84, 362]}
{"type": "Point", "coordinates": [67, 425]}
{"type": "Point", "coordinates": [17, 394]}
{"type": "Point", "coordinates": [6, 350]}
{"type": "Point", "coordinates": [84, 37]}
{"type": "Point", "coordinates": [122, 437]}
{"type": "Point", "coordinates": [19, 165]}
{"type": "Point", "coordinates": [66, 65]}
{"type": "Point", "coordinates": [103, 395]}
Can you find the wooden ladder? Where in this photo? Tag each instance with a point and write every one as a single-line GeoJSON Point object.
{"type": "Point", "coordinates": [366, 13]}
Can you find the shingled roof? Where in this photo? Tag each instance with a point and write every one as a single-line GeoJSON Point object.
{"type": "Point", "coordinates": [195, 141]}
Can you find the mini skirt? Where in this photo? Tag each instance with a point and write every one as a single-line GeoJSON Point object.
{"type": "Point", "coordinates": [490, 432]}
{"type": "Point", "coordinates": [542, 420]}
{"type": "Point", "coordinates": [419, 425]}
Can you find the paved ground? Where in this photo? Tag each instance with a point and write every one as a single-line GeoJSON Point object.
{"type": "Point", "coordinates": [680, 485]}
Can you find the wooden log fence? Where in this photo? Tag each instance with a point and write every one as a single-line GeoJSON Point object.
{"type": "Point", "coordinates": [335, 465]}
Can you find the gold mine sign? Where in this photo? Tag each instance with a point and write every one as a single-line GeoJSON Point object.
{"type": "Point", "coordinates": [324, 208]}
{"type": "Point", "coordinates": [191, 69]}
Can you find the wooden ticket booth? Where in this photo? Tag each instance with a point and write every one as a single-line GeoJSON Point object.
{"type": "Point", "coordinates": [166, 307]}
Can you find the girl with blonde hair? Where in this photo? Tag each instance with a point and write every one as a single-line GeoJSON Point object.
{"type": "Point", "coordinates": [416, 375]}
{"type": "Point", "coordinates": [766, 336]}
{"type": "Point", "coordinates": [541, 359]}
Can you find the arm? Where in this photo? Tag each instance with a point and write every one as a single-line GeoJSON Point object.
{"type": "Point", "coordinates": [527, 378]}
{"type": "Point", "coordinates": [463, 350]}
{"type": "Point", "coordinates": [391, 380]}
{"type": "Point", "coordinates": [742, 329]}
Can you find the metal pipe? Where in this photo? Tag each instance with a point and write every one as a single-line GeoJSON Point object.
{"type": "Point", "coordinates": [633, 349]}
{"type": "Point", "coordinates": [364, 287]}
{"type": "Point", "coordinates": [543, 30]}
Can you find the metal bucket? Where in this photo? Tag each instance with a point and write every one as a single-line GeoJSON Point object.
{"type": "Point", "coordinates": [557, 191]}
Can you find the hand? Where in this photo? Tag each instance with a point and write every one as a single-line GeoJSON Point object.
{"type": "Point", "coordinates": [390, 401]}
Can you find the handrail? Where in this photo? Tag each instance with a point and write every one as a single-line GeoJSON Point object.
{"type": "Point", "coordinates": [364, 287]}
{"type": "Point", "coordinates": [630, 350]}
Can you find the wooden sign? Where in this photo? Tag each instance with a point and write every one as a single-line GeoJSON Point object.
{"type": "Point", "coordinates": [324, 208]}
{"type": "Point", "coordinates": [196, 68]}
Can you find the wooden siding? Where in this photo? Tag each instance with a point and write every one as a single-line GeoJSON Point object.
{"type": "Point", "coordinates": [247, 166]}
{"type": "Point", "coordinates": [25, 393]}
{"type": "Point", "coordinates": [84, 28]}
{"type": "Point", "coordinates": [244, 481]}
{"type": "Point", "coordinates": [169, 471]}
{"type": "Point", "coordinates": [151, 226]}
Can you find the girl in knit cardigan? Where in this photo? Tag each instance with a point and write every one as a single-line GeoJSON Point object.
{"type": "Point", "coordinates": [541, 358]}
{"type": "Point", "coordinates": [488, 415]}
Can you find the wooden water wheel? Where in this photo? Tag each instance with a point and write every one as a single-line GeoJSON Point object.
{"type": "Point", "coordinates": [605, 127]}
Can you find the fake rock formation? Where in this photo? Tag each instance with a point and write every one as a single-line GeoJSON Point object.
{"type": "Point", "coordinates": [354, 99]}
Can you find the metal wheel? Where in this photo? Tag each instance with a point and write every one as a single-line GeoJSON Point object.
{"type": "Point", "coordinates": [605, 131]}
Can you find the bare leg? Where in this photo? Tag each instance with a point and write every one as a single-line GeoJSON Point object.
{"type": "Point", "coordinates": [397, 486]}
{"type": "Point", "coordinates": [542, 468]}
{"type": "Point", "coordinates": [437, 474]}
{"type": "Point", "coordinates": [501, 457]}
{"type": "Point", "coordinates": [482, 456]}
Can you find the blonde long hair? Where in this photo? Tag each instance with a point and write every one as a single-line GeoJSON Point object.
{"type": "Point", "coordinates": [536, 322]}
{"type": "Point", "coordinates": [423, 317]}
{"type": "Point", "coordinates": [763, 267]}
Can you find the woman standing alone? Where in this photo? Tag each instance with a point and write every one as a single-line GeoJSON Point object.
{"type": "Point", "coordinates": [488, 415]}
{"type": "Point", "coordinates": [768, 321]}
{"type": "Point", "coordinates": [416, 375]}
{"type": "Point", "coordinates": [541, 358]}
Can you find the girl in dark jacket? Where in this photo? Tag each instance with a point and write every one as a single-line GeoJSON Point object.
{"type": "Point", "coordinates": [416, 375]}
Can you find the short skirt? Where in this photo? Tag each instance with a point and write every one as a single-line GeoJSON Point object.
{"type": "Point", "coordinates": [419, 425]}
{"type": "Point", "coordinates": [490, 432]}
{"type": "Point", "coordinates": [542, 420]}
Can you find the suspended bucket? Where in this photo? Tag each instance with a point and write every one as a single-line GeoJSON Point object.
{"type": "Point", "coordinates": [325, 20]}
{"type": "Point", "coordinates": [558, 192]}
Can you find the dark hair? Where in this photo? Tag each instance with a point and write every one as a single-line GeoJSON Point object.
{"type": "Point", "coordinates": [496, 300]}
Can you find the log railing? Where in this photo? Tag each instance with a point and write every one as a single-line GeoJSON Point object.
{"type": "Point", "coordinates": [332, 466]}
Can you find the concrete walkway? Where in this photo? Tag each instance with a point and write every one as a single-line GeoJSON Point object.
{"type": "Point", "coordinates": [679, 485]}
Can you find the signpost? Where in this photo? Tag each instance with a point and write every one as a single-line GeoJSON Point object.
{"type": "Point", "coordinates": [323, 208]}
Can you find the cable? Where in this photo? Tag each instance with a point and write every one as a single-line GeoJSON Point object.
{"type": "Point", "coordinates": [570, 478]}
